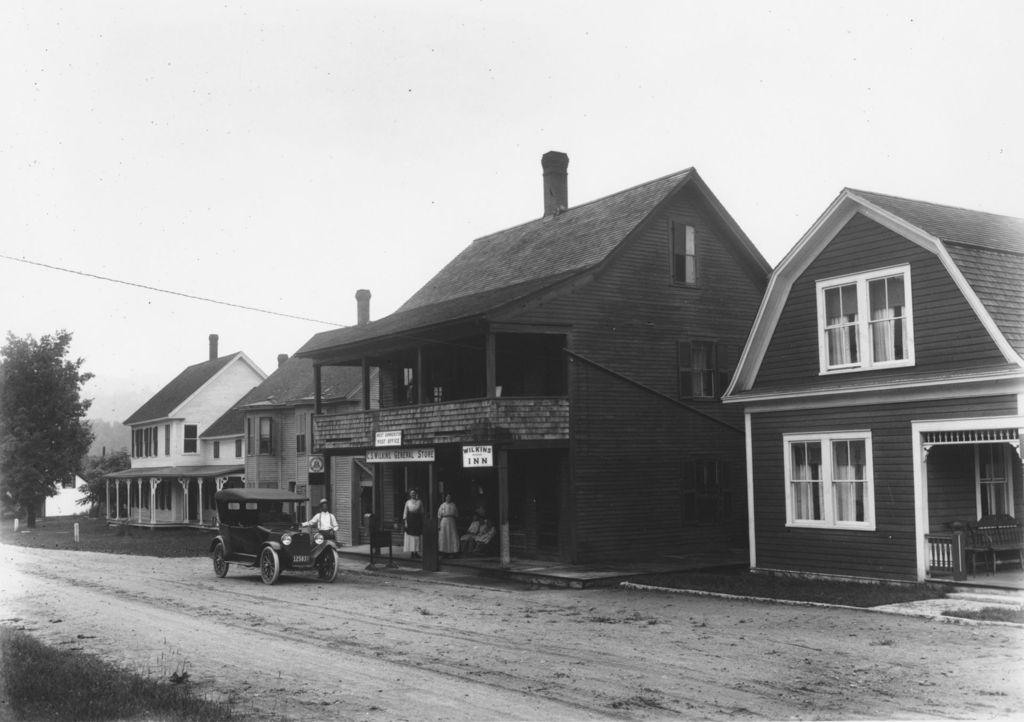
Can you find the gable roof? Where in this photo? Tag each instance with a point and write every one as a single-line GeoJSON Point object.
{"type": "Point", "coordinates": [516, 263]}
{"type": "Point", "coordinates": [290, 383]}
{"type": "Point", "coordinates": [983, 253]}
{"type": "Point", "coordinates": [182, 387]}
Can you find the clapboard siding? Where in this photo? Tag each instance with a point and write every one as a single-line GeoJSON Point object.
{"type": "Point", "coordinates": [629, 453]}
{"type": "Point", "coordinates": [940, 311]}
{"type": "Point", "coordinates": [629, 446]}
{"type": "Point", "coordinates": [887, 552]}
{"type": "Point", "coordinates": [951, 485]}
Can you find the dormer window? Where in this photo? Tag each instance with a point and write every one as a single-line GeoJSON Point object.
{"type": "Point", "coordinates": [865, 321]}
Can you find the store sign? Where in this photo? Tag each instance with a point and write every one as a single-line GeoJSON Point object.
{"type": "Point", "coordinates": [476, 456]}
{"type": "Point", "coordinates": [391, 456]}
{"type": "Point", "coordinates": [388, 438]}
{"type": "Point", "coordinates": [316, 464]}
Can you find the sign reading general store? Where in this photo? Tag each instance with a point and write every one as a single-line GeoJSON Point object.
{"type": "Point", "coordinates": [477, 456]}
{"type": "Point", "coordinates": [384, 456]}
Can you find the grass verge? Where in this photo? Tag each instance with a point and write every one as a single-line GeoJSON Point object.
{"type": "Point", "coordinates": [826, 591]}
{"type": "Point", "coordinates": [42, 683]}
{"type": "Point", "coordinates": [988, 614]}
{"type": "Point", "coordinates": [95, 536]}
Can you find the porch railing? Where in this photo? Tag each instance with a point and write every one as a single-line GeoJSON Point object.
{"type": "Point", "coordinates": [946, 555]}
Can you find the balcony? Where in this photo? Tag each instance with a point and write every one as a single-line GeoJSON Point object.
{"type": "Point", "coordinates": [468, 421]}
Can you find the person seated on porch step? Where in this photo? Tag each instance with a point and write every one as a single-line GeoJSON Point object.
{"type": "Point", "coordinates": [484, 537]}
{"type": "Point", "coordinates": [467, 539]}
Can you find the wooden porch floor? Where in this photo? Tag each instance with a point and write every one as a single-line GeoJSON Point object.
{"type": "Point", "coordinates": [1002, 579]}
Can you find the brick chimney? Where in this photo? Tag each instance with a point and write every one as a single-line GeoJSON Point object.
{"type": "Point", "coordinates": [281, 358]}
{"type": "Point", "coordinates": [362, 306]}
{"type": "Point", "coordinates": [556, 182]}
{"type": "Point", "coordinates": [213, 346]}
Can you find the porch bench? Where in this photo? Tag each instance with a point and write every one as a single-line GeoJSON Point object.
{"type": "Point", "coordinates": [999, 535]}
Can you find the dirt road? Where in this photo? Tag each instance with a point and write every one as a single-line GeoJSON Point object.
{"type": "Point", "coordinates": [418, 647]}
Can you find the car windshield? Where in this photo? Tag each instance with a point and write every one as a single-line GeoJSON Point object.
{"type": "Point", "coordinates": [272, 512]}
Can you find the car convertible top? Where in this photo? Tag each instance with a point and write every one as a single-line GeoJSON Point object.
{"type": "Point", "coordinates": [257, 495]}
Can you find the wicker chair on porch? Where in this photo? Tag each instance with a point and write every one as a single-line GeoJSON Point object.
{"type": "Point", "coordinates": [975, 544]}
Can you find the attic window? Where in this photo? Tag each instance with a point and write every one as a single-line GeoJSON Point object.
{"type": "Point", "coordinates": [865, 321]}
{"type": "Point", "coordinates": [684, 253]}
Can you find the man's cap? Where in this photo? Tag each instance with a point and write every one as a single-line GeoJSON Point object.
{"type": "Point", "coordinates": [323, 501]}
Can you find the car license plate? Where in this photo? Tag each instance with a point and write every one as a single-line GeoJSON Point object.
{"type": "Point", "coordinates": [300, 558]}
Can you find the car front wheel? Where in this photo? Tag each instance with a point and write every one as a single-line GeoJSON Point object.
{"type": "Point", "coordinates": [270, 566]}
{"type": "Point", "coordinates": [328, 570]}
{"type": "Point", "coordinates": [220, 564]}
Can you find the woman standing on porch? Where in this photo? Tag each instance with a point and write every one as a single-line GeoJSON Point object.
{"type": "Point", "coordinates": [447, 532]}
{"type": "Point", "coordinates": [412, 516]}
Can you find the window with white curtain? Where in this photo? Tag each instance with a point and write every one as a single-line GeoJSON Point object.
{"type": "Point", "coordinates": [829, 480]}
{"type": "Point", "coordinates": [865, 321]}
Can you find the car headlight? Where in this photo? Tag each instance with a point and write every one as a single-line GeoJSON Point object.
{"type": "Point", "coordinates": [318, 538]}
{"type": "Point", "coordinates": [286, 539]}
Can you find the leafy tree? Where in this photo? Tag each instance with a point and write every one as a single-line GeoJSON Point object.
{"type": "Point", "coordinates": [94, 491]}
{"type": "Point", "coordinates": [43, 430]}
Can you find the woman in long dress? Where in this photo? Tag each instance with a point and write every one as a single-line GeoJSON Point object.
{"type": "Point", "coordinates": [412, 518]}
{"type": "Point", "coordinates": [447, 531]}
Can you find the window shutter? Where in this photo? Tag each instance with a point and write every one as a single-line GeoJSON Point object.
{"type": "Point", "coordinates": [724, 364]}
{"type": "Point", "coordinates": [726, 487]}
{"type": "Point", "coordinates": [685, 374]}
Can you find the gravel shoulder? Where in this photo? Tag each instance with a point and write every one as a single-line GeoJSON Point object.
{"type": "Point", "coordinates": [421, 646]}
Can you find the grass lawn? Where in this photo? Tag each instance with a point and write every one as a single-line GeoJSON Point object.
{"type": "Point", "coordinates": [43, 683]}
{"type": "Point", "coordinates": [95, 536]}
{"type": "Point", "coordinates": [744, 583]}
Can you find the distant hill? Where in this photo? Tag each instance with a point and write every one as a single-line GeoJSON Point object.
{"type": "Point", "coordinates": [110, 435]}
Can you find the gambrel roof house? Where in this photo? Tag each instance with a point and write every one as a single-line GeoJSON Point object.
{"type": "Point", "coordinates": [564, 376]}
{"type": "Point", "coordinates": [175, 466]}
{"type": "Point", "coordinates": [883, 385]}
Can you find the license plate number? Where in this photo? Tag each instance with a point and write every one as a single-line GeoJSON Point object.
{"type": "Point", "coordinates": [300, 558]}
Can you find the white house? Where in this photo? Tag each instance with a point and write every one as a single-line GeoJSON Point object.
{"type": "Point", "coordinates": [175, 470]}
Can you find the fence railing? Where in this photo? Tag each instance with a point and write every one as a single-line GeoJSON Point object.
{"type": "Point", "coordinates": [946, 555]}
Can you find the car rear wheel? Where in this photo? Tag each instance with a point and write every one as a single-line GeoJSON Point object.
{"type": "Point", "coordinates": [220, 564]}
{"type": "Point", "coordinates": [270, 566]}
{"type": "Point", "coordinates": [328, 567]}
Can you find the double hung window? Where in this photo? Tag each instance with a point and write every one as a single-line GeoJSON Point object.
{"type": "Point", "coordinates": [300, 433]}
{"type": "Point", "coordinates": [684, 253]}
{"type": "Point", "coordinates": [191, 445]}
{"type": "Point", "coordinates": [706, 496]}
{"type": "Point", "coordinates": [266, 435]}
{"type": "Point", "coordinates": [994, 490]}
{"type": "Point", "coordinates": [865, 321]}
{"type": "Point", "coordinates": [703, 369]}
{"type": "Point", "coordinates": [829, 480]}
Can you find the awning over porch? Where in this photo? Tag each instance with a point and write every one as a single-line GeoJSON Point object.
{"type": "Point", "coordinates": [188, 472]}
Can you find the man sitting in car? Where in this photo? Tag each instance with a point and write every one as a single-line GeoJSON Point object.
{"type": "Point", "coordinates": [324, 522]}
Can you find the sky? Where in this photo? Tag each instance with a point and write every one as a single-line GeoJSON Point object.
{"type": "Point", "coordinates": [280, 156]}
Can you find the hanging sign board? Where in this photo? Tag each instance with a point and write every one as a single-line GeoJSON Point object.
{"type": "Point", "coordinates": [477, 456]}
{"type": "Point", "coordinates": [386, 456]}
{"type": "Point", "coordinates": [388, 438]}
{"type": "Point", "coordinates": [316, 464]}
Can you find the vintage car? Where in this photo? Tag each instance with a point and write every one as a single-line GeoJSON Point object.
{"type": "Point", "coordinates": [258, 529]}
